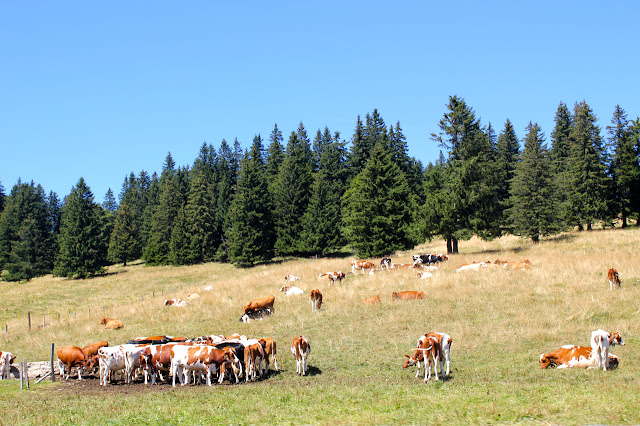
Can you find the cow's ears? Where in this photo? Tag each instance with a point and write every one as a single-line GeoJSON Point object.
{"type": "Point", "coordinates": [408, 356]}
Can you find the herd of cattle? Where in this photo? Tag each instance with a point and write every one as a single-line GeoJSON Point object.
{"type": "Point", "coordinates": [236, 356]}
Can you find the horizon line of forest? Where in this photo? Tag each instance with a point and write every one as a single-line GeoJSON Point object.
{"type": "Point", "coordinates": [322, 196]}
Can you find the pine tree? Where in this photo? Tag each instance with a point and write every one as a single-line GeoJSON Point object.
{"type": "Point", "coordinates": [82, 251]}
{"type": "Point", "coordinates": [377, 207]}
{"type": "Point", "coordinates": [322, 221]}
{"type": "Point", "coordinates": [588, 179]}
{"type": "Point", "coordinates": [249, 225]}
{"type": "Point", "coordinates": [227, 178]}
{"type": "Point", "coordinates": [534, 211]}
{"type": "Point", "coordinates": [275, 154]}
{"type": "Point", "coordinates": [359, 152]}
{"type": "Point", "coordinates": [634, 199]}
{"type": "Point", "coordinates": [560, 154]}
{"type": "Point", "coordinates": [291, 195]}
{"type": "Point", "coordinates": [109, 203]}
{"type": "Point", "coordinates": [26, 238]}
{"type": "Point", "coordinates": [124, 244]}
{"type": "Point", "coordinates": [180, 244]}
{"type": "Point", "coordinates": [625, 170]}
{"type": "Point", "coordinates": [200, 217]}
{"type": "Point", "coordinates": [2, 198]}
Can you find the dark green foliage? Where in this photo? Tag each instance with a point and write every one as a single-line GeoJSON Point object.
{"type": "Point", "coordinates": [83, 251]}
{"type": "Point", "coordinates": [507, 150]}
{"type": "Point", "coordinates": [54, 209]}
{"type": "Point", "coordinates": [534, 206]}
{"type": "Point", "coordinates": [275, 154]}
{"type": "Point", "coordinates": [109, 203]}
{"type": "Point", "coordinates": [377, 208]}
{"type": "Point", "coordinates": [291, 193]}
{"type": "Point", "coordinates": [322, 221]}
{"type": "Point", "coordinates": [560, 154]}
{"type": "Point", "coordinates": [2, 197]}
{"type": "Point", "coordinates": [588, 180]}
{"type": "Point", "coordinates": [360, 150]}
{"type": "Point", "coordinates": [227, 170]}
{"type": "Point", "coordinates": [624, 168]}
{"type": "Point", "coordinates": [180, 244]}
{"type": "Point", "coordinates": [200, 219]}
{"type": "Point", "coordinates": [249, 225]}
{"type": "Point", "coordinates": [124, 244]}
{"type": "Point", "coordinates": [26, 234]}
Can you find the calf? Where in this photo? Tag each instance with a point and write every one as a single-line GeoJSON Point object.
{"type": "Point", "coordinates": [291, 291]}
{"type": "Point", "coordinates": [333, 276]}
{"type": "Point", "coordinates": [385, 263]}
{"type": "Point", "coordinates": [70, 357]}
{"type": "Point", "coordinates": [111, 359]}
{"type": "Point", "coordinates": [614, 279]}
{"type": "Point", "coordinates": [371, 300]}
{"type": "Point", "coordinates": [473, 267]}
{"type": "Point", "coordinates": [316, 300]}
{"type": "Point", "coordinates": [361, 265]}
{"type": "Point", "coordinates": [600, 343]}
{"type": "Point", "coordinates": [445, 344]}
{"type": "Point", "coordinates": [253, 357]}
{"type": "Point", "coordinates": [431, 351]}
{"type": "Point", "coordinates": [427, 259]}
{"type": "Point", "coordinates": [111, 323]}
{"type": "Point", "coordinates": [290, 278]}
{"type": "Point", "coordinates": [573, 356]}
{"type": "Point", "coordinates": [407, 295]}
{"type": "Point", "coordinates": [516, 265]}
{"type": "Point", "coordinates": [6, 359]}
{"type": "Point", "coordinates": [91, 353]}
{"type": "Point", "coordinates": [424, 274]}
{"type": "Point", "coordinates": [176, 302]}
{"type": "Point", "coordinates": [300, 348]}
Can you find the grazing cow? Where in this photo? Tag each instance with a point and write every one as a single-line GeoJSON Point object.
{"type": "Point", "coordinates": [291, 291]}
{"type": "Point", "coordinates": [110, 323]}
{"type": "Point", "coordinates": [155, 359]}
{"type": "Point", "coordinates": [424, 274]}
{"type": "Point", "coordinates": [260, 303]}
{"type": "Point", "coordinates": [316, 300]}
{"type": "Point", "coordinates": [333, 276]}
{"type": "Point", "coordinates": [431, 351]}
{"type": "Point", "coordinates": [255, 315]}
{"type": "Point", "coordinates": [6, 359]}
{"type": "Point", "coordinates": [428, 259]}
{"type": "Point", "coordinates": [186, 359]}
{"type": "Point", "coordinates": [573, 356]}
{"type": "Point", "coordinates": [600, 343]}
{"type": "Point", "coordinates": [300, 348]}
{"type": "Point", "coordinates": [291, 278]}
{"type": "Point", "coordinates": [91, 354]}
{"type": "Point", "coordinates": [176, 302]}
{"type": "Point", "coordinates": [614, 279]}
{"type": "Point", "coordinates": [371, 300]}
{"type": "Point", "coordinates": [385, 263]}
{"type": "Point", "coordinates": [237, 346]}
{"type": "Point", "coordinates": [445, 345]}
{"type": "Point", "coordinates": [361, 265]}
{"type": "Point", "coordinates": [472, 267]}
{"type": "Point", "coordinates": [70, 357]}
{"type": "Point", "coordinates": [270, 350]}
{"type": "Point", "coordinates": [407, 295]}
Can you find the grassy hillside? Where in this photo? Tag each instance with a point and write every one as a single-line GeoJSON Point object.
{"type": "Point", "coordinates": [500, 321]}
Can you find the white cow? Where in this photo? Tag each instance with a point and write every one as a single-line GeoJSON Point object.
{"type": "Point", "coordinates": [6, 359]}
{"type": "Point", "coordinates": [472, 267]}
{"type": "Point", "coordinates": [600, 342]}
{"type": "Point", "coordinates": [291, 291]}
{"type": "Point", "coordinates": [111, 360]}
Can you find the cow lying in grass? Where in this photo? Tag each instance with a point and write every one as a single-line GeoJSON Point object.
{"type": "Point", "coordinates": [573, 356]}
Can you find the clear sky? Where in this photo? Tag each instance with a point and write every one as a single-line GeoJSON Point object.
{"type": "Point", "coordinates": [99, 89]}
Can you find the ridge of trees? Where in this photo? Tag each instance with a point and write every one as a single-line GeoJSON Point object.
{"type": "Point", "coordinates": [320, 196]}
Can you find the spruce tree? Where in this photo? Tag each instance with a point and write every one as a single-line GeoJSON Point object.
{"type": "Point", "coordinates": [124, 244]}
{"type": "Point", "coordinates": [377, 207]}
{"type": "Point", "coordinates": [227, 178]}
{"type": "Point", "coordinates": [26, 238]}
{"type": "Point", "coordinates": [560, 154]}
{"type": "Point", "coordinates": [2, 198]}
{"type": "Point", "coordinates": [109, 203]}
{"type": "Point", "coordinates": [588, 179]}
{"type": "Point", "coordinates": [82, 252]}
{"type": "Point", "coordinates": [180, 244]}
{"type": "Point", "coordinates": [534, 212]}
{"type": "Point", "coordinates": [624, 169]}
{"type": "Point", "coordinates": [200, 216]}
{"type": "Point", "coordinates": [275, 154]}
{"type": "Point", "coordinates": [360, 150]}
{"type": "Point", "coordinates": [249, 224]}
{"type": "Point", "coordinates": [291, 195]}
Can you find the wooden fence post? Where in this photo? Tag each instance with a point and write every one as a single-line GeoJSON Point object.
{"type": "Point", "coordinates": [26, 372]}
{"type": "Point", "coordinates": [53, 375]}
{"type": "Point", "coordinates": [43, 320]}
{"type": "Point", "coordinates": [21, 380]}
{"type": "Point", "coordinates": [29, 319]}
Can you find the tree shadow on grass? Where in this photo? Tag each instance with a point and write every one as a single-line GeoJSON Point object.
{"type": "Point", "coordinates": [313, 371]}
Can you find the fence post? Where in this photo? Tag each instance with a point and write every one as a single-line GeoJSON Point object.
{"type": "Point", "coordinates": [26, 372]}
{"type": "Point", "coordinates": [6, 329]}
{"type": "Point", "coordinates": [21, 379]}
{"type": "Point", "coordinates": [43, 320]}
{"type": "Point", "coordinates": [53, 375]}
{"type": "Point", "coordinates": [29, 318]}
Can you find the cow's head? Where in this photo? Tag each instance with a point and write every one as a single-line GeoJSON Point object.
{"type": "Point", "coordinates": [410, 361]}
{"type": "Point", "coordinates": [284, 288]}
{"type": "Point", "coordinates": [244, 318]}
{"type": "Point", "coordinates": [546, 361]}
{"type": "Point", "coordinates": [616, 339]}
{"type": "Point", "coordinates": [103, 321]}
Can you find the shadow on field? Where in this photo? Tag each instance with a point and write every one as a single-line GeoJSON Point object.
{"type": "Point", "coordinates": [313, 371]}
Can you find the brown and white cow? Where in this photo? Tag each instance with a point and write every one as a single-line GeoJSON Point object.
{"type": "Point", "coordinates": [614, 279]}
{"type": "Point", "coordinates": [6, 359]}
{"type": "Point", "coordinates": [291, 290]}
{"type": "Point", "coordinates": [156, 359]}
{"type": "Point", "coordinates": [290, 278]}
{"type": "Point", "coordinates": [516, 265]}
{"type": "Point", "coordinates": [270, 351]}
{"type": "Point", "coordinates": [361, 265]}
{"type": "Point", "coordinates": [300, 348]}
{"type": "Point", "coordinates": [333, 276]}
{"type": "Point", "coordinates": [316, 300]}
{"type": "Point", "coordinates": [253, 356]}
{"type": "Point", "coordinates": [70, 357]}
{"type": "Point", "coordinates": [407, 295]}
{"type": "Point", "coordinates": [600, 342]}
{"type": "Point", "coordinates": [111, 323]}
{"type": "Point", "coordinates": [260, 304]}
{"type": "Point", "coordinates": [430, 350]}
{"type": "Point", "coordinates": [185, 359]}
{"type": "Point", "coordinates": [573, 356]}
{"type": "Point", "coordinates": [371, 300]}
{"type": "Point", "coordinates": [445, 342]}
{"type": "Point", "coordinates": [91, 353]}
{"type": "Point", "coordinates": [176, 302]}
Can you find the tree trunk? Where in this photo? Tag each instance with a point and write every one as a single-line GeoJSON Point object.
{"type": "Point", "coordinates": [535, 239]}
{"type": "Point", "coordinates": [589, 226]}
{"type": "Point", "coordinates": [624, 219]}
{"type": "Point", "coordinates": [455, 245]}
{"type": "Point", "coordinates": [449, 246]}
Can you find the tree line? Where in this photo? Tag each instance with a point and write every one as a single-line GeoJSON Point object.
{"type": "Point", "coordinates": [321, 196]}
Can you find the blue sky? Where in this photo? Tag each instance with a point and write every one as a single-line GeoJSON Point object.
{"type": "Point", "coordinates": [101, 89]}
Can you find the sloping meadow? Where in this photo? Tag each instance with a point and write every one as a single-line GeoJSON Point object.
{"type": "Point", "coordinates": [500, 321]}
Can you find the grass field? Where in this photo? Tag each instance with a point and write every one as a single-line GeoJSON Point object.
{"type": "Point", "coordinates": [500, 321]}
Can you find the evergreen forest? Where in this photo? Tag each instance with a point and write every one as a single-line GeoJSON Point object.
{"type": "Point", "coordinates": [301, 195]}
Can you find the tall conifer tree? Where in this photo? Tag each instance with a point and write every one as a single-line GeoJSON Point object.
{"type": "Point", "coordinates": [560, 155]}
{"type": "Point", "coordinates": [124, 244]}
